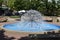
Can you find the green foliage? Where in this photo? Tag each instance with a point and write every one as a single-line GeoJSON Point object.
{"type": "Point", "coordinates": [50, 8]}
{"type": "Point", "coordinates": [22, 4]}
{"type": "Point", "coordinates": [26, 4]}
{"type": "Point", "coordinates": [1, 1]}
{"type": "Point", "coordinates": [14, 16]}
{"type": "Point", "coordinates": [10, 3]}
{"type": "Point", "coordinates": [46, 7]}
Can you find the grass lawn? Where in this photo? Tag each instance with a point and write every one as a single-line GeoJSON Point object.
{"type": "Point", "coordinates": [15, 16]}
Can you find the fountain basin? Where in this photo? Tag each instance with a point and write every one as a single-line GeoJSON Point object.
{"type": "Point", "coordinates": [22, 27]}
{"type": "Point", "coordinates": [31, 22]}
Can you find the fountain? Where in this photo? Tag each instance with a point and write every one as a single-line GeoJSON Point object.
{"type": "Point", "coordinates": [31, 21]}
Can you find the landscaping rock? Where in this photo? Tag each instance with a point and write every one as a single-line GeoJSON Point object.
{"type": "Point", "coordinates": [3, 19]}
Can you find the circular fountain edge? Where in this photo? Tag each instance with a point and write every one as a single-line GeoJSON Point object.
{"type": "Point", "coordinates": [27, 32]}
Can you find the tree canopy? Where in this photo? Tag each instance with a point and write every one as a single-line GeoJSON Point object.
{"type": "Point", "coordinates": [10, 4]}
{"type": "Point", "coordinates": [1, 1]}
{"type": "Point", "coordinates": [50, 8]}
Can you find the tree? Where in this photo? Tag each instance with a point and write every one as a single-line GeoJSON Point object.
{"type": "Point", "coordinates": [26, 4]}
{"type": "Point", "coordinates": [49, 7]}
{"type": "Point", "coordinates": [10, 4]}
{"type": "Point", "coordinates": [46, 7]}
{"type": "Point", "coordinates": [1, 1]}
{"type": "Point", "coordinates": [19, 4]}
{"type": "Point", "coordinates": [58, 7]}
{"type": "Point", "coordinates": [1, 11]}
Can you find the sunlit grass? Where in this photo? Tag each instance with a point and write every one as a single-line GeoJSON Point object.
{"type": "Point", "coordinates": [15, 16]}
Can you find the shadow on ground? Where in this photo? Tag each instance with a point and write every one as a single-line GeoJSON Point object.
{"type": "Point", "coordinates": [49, 36]}
{"type": "Point", "coordinates": [27, 38]}
{"type": "Point", "coordinates": [4, 37]}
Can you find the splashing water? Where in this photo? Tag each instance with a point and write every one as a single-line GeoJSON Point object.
{"type": "Point", "coordinates": [31, 22]}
